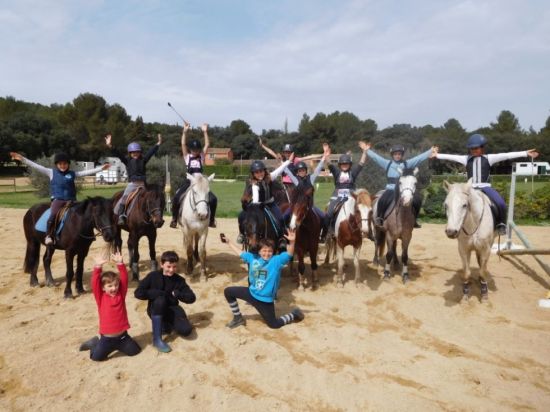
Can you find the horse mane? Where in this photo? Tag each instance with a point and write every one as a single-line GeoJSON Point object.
{"type": "Point", "coordinates": [80, 207]}
{"type": "Point", "coordinates": [301, 194]}
{"type": "Point", "coordinates": [408, 172]}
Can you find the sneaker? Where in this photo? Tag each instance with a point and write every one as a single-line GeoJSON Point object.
{"type": "Point", "coordinates": [121, 220]}
{"type": "Point", "coordinates": [174, 224]}
{"type": "Point", "coordinates": [48, 240]}
{"type": "Point", "coordinates": [240, 239]}
{"type": "Point", "coordinates": [213, 224]}
{"type": "Point", "coordinates": [501, 229]}
{"type": "Point", "coordinates": [298, 315]}
{"type": "Point", "coordinates": [89, 344]}
{"type": "Point", "coordinates": [236, 321]}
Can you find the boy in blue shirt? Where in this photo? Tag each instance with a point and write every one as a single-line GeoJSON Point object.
{"type": "Point", "coordinates": [264, 276]}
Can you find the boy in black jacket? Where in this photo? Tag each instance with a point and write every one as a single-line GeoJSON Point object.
{"type": "Point", "coordinates": [164, 289]}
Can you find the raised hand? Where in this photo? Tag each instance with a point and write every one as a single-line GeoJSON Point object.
{"type": "Point", "coordinates": [291, 157]}
{"type": "Point", "coordinates": [117, 257]}
{"type": "Point", "coordinates": [186, 127]}
{"type": "Point", "coordinates": [204, 127]}
{"type": "Point", "coordinates": [108, 140]}
{"type": "Point", "coordinates": [16, 156]}
{"type": "Point", "coordinates": [99, 260]}
{"type": "Point", "coordinates": [533, 153]}
{"type": "Point", "coordinates": [364, 146]}
{"type": "Point", "coordinates": [326, 150]}
{"type": "Point", "coordinates": [291, 235]}
{"type": "Point", "coordinates": [159, 139]}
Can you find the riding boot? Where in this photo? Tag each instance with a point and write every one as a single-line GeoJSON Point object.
{"type": "Point", "coordinates": [157, 335]}
{"type": "Point", "coordinates": [50, 227]}
{"type": "Point", "coordinates": [175, 212]}
{"type": "Point", "coordinates": [212, 222]}
{"type": "Point", "coordinates": [90, 344]}
{"type": "Point", "coordinates": [121, 214]}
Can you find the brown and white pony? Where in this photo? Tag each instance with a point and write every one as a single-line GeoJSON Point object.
{"type": "Point", "coordinates": [308, 227]}
{"type": "Point", "coordinates": [351, 226]}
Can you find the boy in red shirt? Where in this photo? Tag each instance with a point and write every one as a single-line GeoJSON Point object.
{"type": "Point", "coordinates": [109, 290]}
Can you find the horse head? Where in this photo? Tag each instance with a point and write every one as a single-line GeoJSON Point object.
{"type": "Point", "coordinates": [100, 211]}
{"type": "Point", "coordinates": [363, 205]}
{"type": "Point", "coordinates": [198, 192]}
{"type": "Point", "coordinates": [154, 203]}
{"type": "Point", "coordinates": [457, 205]}
{"type": "Point", "coordinates": [254, 225]}
{"type": "Point", "coordinates": [407, 185]}
{"type": "Point", "coordinates": [302, 201]}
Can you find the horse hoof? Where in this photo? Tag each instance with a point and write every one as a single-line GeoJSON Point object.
{"type": "Point", "coordinates": [203, 279]}
{"type": "Point", "coordinates": [68, 296]}
{"type": "Point", "coordinates": [465, 298]}
{"type": "Point", "coordinates": [405, 278]}
{"type": "Point", "coordinates": [34, 284]}
{"type": "Point", "coordinates": [135, 278]}
{"type": "Point", "coordinates": [387, 275]}
{"type": "Point", "coordinates": [339, 284]}
{"type": "Point", "coordinates": [315, 286]}
{"type": "Point", "coordinates": [301, 288]}
{"type": "Point", "coordinates": [485, 297]}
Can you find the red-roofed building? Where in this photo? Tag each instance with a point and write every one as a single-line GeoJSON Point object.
{"type": "Point", "coordinates": [217, 153]}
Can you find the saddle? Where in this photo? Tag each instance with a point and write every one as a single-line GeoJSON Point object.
{"type": "Point", "coordinates": [495, 211]}
{"type": "Point", "coordinates": [389, 208]}
{"type": "Point", "coordinates": [42, 222]}
{"type": "Point", "coordinates": [131, 199]}
{"type": "Point", "coordinates": [332, 224]}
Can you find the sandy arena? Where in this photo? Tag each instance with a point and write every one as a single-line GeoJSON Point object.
{"type": "Point", "coordinates": [381, 346]}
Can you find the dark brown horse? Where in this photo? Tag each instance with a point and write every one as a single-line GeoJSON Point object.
{"type": "Point", "coordinates": [75, 239]}
{"type": "Point", "coordinates": [145, 216]}
{"type": "Point", "coordinates": [308, 227]}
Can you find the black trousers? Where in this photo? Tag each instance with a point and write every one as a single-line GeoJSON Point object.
{"type": "Point", "coordinates": [107, 345]}
{"type": "Point", "coordinates": [385, 200]}
{"type": "Point", "coordinates": [176, 200]}
{"type": "Point", "coordinates": [265, 309]}
{"type": "Point", "coordinates": [173, 316]}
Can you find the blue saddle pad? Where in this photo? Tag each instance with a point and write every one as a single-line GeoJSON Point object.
{"type": "Point", "coordinates": [43, 222]}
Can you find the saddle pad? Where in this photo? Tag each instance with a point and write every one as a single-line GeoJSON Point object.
{"type": "Point", "coordinates": [131, 200]}
{"type": "Point", "coordinates": [42, 223]}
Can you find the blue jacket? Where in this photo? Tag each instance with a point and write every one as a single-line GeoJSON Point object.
{"type": "Point", "coordinates": [392, 167]}
{"type": "Point", "coordinates": [264, 276]}
{"type": "Point", "coordinates": [62, 185]}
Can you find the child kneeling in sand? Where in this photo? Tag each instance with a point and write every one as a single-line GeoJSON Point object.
{"type": "Point", "coordinates": [264, 276]}
{"type": "Point", "coordinates": [164, 289]}
{"type": "Point", "coordinates": [109, 290]}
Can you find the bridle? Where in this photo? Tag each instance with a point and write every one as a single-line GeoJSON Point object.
{"type": "Point", "coordinates": [97, 226]}
{"type": "Point", "coordinates": [193, 201]}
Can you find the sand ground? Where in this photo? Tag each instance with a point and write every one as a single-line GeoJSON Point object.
{"type": "Point", "coordinates": [381, 346]}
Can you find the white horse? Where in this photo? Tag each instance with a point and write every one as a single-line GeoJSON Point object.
{"type": "Point", "coordinates": [469, 219]}
{"type": "Point", "coordinates": [398, 224]}
{"type": "Point", "coordinates": [351, 225]}
{"type": "Point", "coordinates": [194, 219]}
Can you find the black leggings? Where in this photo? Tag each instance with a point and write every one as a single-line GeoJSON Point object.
{"type": "Point", "coordinates": [106, 345]}
{"type": "Point", "coordinates": [266, 310]}
{"type": "Point", "coordinates": [173, 316]}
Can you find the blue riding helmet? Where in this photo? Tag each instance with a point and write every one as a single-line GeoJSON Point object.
{"type": "Point", "coordinates": [134, 147]}
{"type": "Point", "coordinates": [345, 159]}
{"type": "Point", "coordinates": [257, 165]}
{"type": "Point", "coordinates": [397, 148]}
{"type": "Point", "coordinates": [476, 140]}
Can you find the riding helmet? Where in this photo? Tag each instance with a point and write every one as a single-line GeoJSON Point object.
{"type": "Point", "coordinates": [397, 148]}
{"type": "Point", "coordinates": [345, 158]}
{"type": "Point", "coordinates": [134, 147]}
{"type": "Point", "coordinates": [476, 140]}
{"type": "Point", "coordinates": [194, 145]}
{"type": "Point", "coordinates": [61, 157]}
{"type": "Point", "coordinates": [300, 165]}
{"type": "Point", "coordinates": [256, 166]}
{"type": "Point", "coordinates": [288, 148]}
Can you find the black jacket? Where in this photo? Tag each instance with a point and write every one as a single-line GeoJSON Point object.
{"type": "Point", "coordinates": [155, 284]}
{"type": "Point", "coordinates": [135, 167]}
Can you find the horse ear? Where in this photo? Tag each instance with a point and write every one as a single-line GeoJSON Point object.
{"type": "Point", "coordinates": [415, 172]}
{"type": "Point", "coordinates": [469, 182]}
{"type": "Point", "coordinates": [354, 195]}
{"type": "Point", "coordinates": [400, 171]}
{"type": "Point", "coordinates": [446, 186]}
{"type": "Point", "coordinates": [190, 177]}
{"type": "Point", "coordinates": [211, 177]}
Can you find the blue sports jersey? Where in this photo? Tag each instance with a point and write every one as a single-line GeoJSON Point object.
{"type": "Point", "coordinates": [264, 276]}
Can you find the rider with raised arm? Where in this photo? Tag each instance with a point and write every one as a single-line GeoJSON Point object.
{"type": "Point", "coordinates": [194, 156]}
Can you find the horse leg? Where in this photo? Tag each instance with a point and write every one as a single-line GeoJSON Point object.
{"type": "Point", "coordinates": [47, 260]}
{"type": "Point", "coordinates": [190, 246]}
{"type": "Point", "coordinates": [80, 269]}
{"type": "Point", "coordinates": [152, 238]}
{"type": "Point", "coordinates": [395, 260]}
{"type": "Point", "coordinates": [389, 257]}
{"type": "Point", "coordinates": [32, 257]}
{"type": "Point", "coordinates": [133, 251]}
{"type": "Point", "coordinates": [302, 281]}
{"type": "Point", "coordinates": [69, 260]}
{"type": "Point", "coordinates": [313, 258]}
{"type": "Point", "coordinates": [202, 254]}
{"type": "Point", "coordinates": [483, 258]}
{"type": "Point", "coordinates": [465, 254]}
{"type": "Point", "coordinates": [405, 241]}
{"type": "Point", "coordinates": [339, 278]}
{"type": "Point", "coordinates": [196, 253]}
{"type": "Point", "coordinates": [356, 253]}
{"type": "Point", "coordinates": [328, 250]}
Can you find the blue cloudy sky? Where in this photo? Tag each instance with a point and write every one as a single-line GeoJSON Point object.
{"type": "Point", "coordinates": [419, 62]}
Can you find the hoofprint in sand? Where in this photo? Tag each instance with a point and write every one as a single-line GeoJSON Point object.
{"type": "Point", "coordinates": [381, 346]}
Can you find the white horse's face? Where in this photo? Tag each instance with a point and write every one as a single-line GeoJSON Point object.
{"type": "Point", "coordinates": [407, 187]}
{"type": "Point", "coordinates": [456, 208]}
{"type": "Point", "coordinates": [199, 195]}
{"type": "Point", "coordinates": [364, 210]}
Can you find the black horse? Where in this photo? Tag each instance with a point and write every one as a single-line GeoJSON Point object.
{"type": "Point", "coordinates": [145, 216]}
{"type": "Point", "coordinates": [257, 225]}
{"type": "Point", "coordinates": [75, 238]}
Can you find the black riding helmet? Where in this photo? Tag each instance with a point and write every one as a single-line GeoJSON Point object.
{"type": "Point", "coordinates": [397, 148]}
{"type": "Point", "coordinates": [345, 159]}
{"type": "Point", "coordinates": [61, 157]}
{"type": "Point", "coordinates": [256, 166]}
{"type": "Point", "coordinates": [194, 145]}
{"type": "Point", "coordinates": [288, 148]}
{"type": "Point", "coordinates": [300, 165]}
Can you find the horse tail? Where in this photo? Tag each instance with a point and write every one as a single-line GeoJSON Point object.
{"type": "Point", "coordinates": [33, 245]}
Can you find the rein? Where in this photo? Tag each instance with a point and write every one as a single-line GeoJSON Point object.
{"type": "Point", "coordinates": [95, 226]}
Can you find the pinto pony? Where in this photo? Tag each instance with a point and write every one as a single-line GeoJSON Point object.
{"type": "Point", "coordinates": [75, 239]}
{"type": "Point", "coordinates": [194, 216]}
{"type": "Point", "coordinates": [351, 226]}
{"type": "Point", "coordinates": [469, 219]}
{"type": "Point", "coordinates": [145, 216]}
{"type": "Point", "coordinates": [308, 227]}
